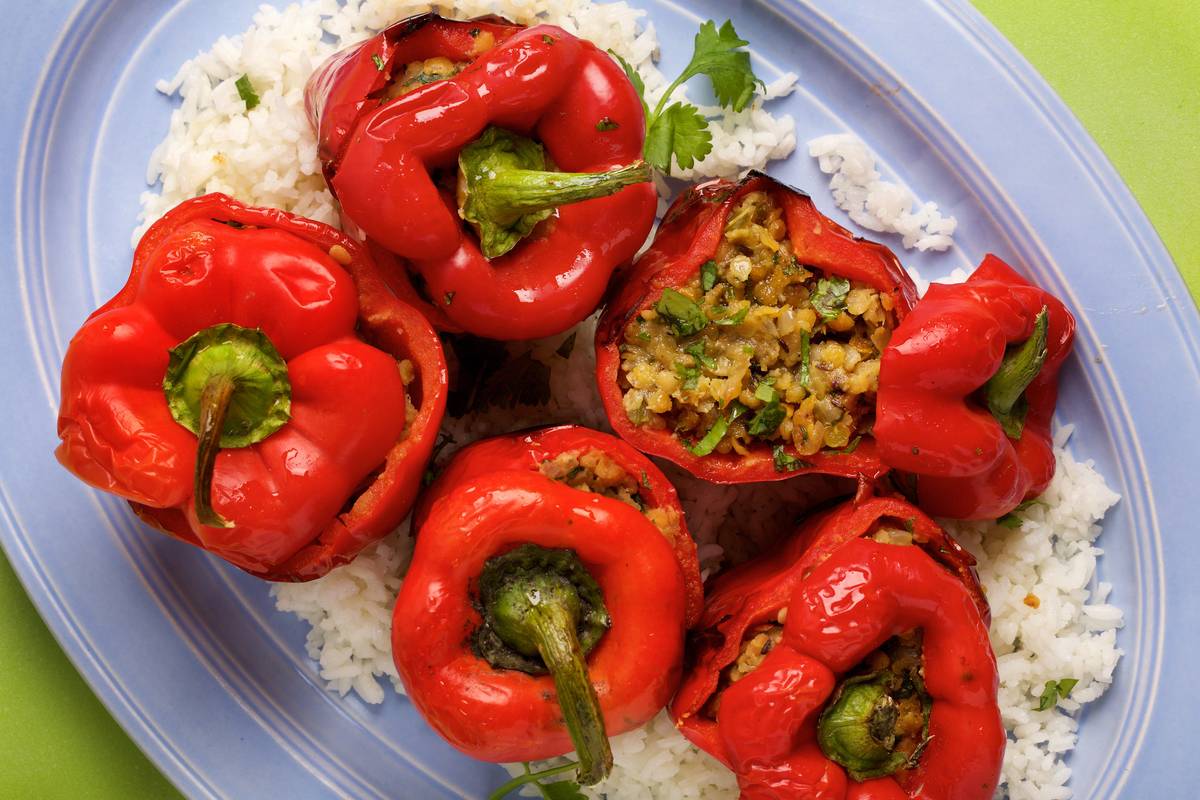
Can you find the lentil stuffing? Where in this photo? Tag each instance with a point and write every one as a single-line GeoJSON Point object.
{"type": "Point", "coordinates": [594, 471]}
{"type": "Point", "coordinates": [757, 347]}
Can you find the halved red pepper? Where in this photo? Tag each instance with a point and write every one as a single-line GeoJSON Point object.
{"type": "Point", "coordinates": [845, 595]}
{"type": "Point", "coordinates": [381, 157]}
{"type": "Point", "coordinates": [276, 340]}
{"type": "Point", "coordinates": [688, 238]}
{"type": "Point", "coordinates": [610, 597]}
{"type": "Point", "coordinates": [967, 389]}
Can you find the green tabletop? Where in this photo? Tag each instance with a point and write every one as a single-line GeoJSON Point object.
{"type": "Point", "coordinates": [1129, 70]}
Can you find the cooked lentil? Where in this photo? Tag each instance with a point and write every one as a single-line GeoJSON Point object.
{"type": "Point", "coordinates": [757, 347]}
{"type": "Point", "coordinates": [593, 471]}
{"type": "Point", "coordinates": [418, 73]}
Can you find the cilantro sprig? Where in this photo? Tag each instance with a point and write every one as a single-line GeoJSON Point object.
{"type": "Point", "coordinates": [677, 129]}
{"type": "Point", "coordinates": [565, 789]}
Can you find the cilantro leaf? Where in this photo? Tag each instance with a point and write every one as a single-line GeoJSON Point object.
{"type": "Point", "coordinates": [718, 55]}
{"type": "Point", "coordinates": [708, 275]}
{"type": "Point", "coordinates": [768, 419]}
{"type": "Point", "coordinates": [689, 375]}
{"type": "Point", "coordinates": [717, 432]}
{"type": "Point", "coordinates": [829, 300]}
{"type": "Point", "coordinates": [635, 79]}
{"type": "Point", "coordinates": [681, 313]}
{"type": "Point", "coordinates": [245, 90]}
{"type": "Point", "coordinates": [696, 351]}
{"type": "Point", "coordinates": [678, 131]}
{"type": "Point", "coordinates": [803, 373]}
{"type": "Point", "coordinates": [1055, 690]}
{"type": "Point", "coordinates": [785, 461]}
{"type": "Point", "coordinates": [726, 318]}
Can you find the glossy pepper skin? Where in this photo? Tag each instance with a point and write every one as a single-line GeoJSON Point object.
{"type": "Point", "coordinates": [540, 82]}
{"type": "Point", "coordinates": [928, 420]}
{"type": "Point", "coordinates": [529, 449]}
{"type": "Point", "coordinates": [320, 300]}
{"type": "Point", "coordinates": [846, 594]}
{"type": "Point", "coordinates": [490, 499]}
{"type": "Point", "coordinates": [689, 236]}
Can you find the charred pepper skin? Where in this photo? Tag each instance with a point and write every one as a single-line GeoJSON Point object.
{"type": "Point", "coordinates": [927, 422]}
{"type": "Point", "coordinates": [492, 500]}
{"type": "Point", "coordinates": [845, 596]}
{"type": "Point", "coordinates": [313, 292]}
{"type": "Point", "coordinates": [540, 82]}
{"type": "Point", "coordinates": [688, 237]}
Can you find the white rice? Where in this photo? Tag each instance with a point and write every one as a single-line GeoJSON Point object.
{"type": "Point", "coordinates": [267, 156]}
{"type": "Point", "coordinates": [874, 203]}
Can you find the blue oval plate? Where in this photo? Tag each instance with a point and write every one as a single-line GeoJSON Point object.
{"type": "Point", "coordinates": [213, 683]}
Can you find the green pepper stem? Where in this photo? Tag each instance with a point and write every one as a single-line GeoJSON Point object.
{"type": "Point", "coordinates": [506, 195]}
{"type": "Point", "coordinates": [1004, 391]}
{"type": "Point", "coordinates": [214, 405]}
{"type": "Point", "coordinates": [534, 600]}
{"type": "Point", "coordinates": [857, 730]}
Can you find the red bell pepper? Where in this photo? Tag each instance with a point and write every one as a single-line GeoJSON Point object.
{"type": "Point", "coordinates": [967, 390]}
{"type": "Point", "coordinates": [794, 725]}
{"type": "Point", "coordinates": [544, 242]}
{"type": "Point", "coordinates": [687, 239]}
{"type": "Point", "coordinates": [226, 393]}
{"type": "Point", "coordinates": [516, 517]}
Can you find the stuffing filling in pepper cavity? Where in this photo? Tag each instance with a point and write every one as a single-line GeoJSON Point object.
{"type": "Point", "coordinates": [877, 721]}
{"type": "Point", "coordinates": [758, 347]}
{"type": "Point", "coordinates": [594, 471]}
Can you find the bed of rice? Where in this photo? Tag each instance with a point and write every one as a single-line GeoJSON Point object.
{"type": "Point", "coordinates": [267, 156]}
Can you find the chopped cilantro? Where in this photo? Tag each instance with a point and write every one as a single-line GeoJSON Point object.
{"type": "Point", "coordinates": [690, 375]}
{"type": "Point", "coordinates": [379, 62]}
{"type": "Point", "coordinates": [785, 461]}
{"type": "Point", "coordinates": [717, 432]}
{"type": "Point", "coordinates": [645, 479]}
{"type": "Point", "coordinates": [768, 419]}
{"type": "Point", "coordinates": [681, 313]}
{"type": "Point", "coordinates": [245, 90]}
{"type": "Point", "coordinates": [547, 38]}
{"type": "Point", "coordinates": [708, 275]}
{"type": "Point", "coordinates": [1013, 519]}
{"type": "Point", "coordinates": [802, 374]}
{"type": "Point", "coordinates": [448, 298]}
{"type": "Point", "coordinates": [696, 351]}
{"type": "Point", "coordinates": [607, 124]}
{"type": "Point", "coordinates": [1055, 690]}
{"type": "Point", "coordinates": [724, 317]}
{"type": "Point", "coordinates": [850, 448]}
{"type": "Point", "coordinates": [829, 300]}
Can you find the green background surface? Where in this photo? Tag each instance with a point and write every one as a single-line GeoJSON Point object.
{"type": "Point", "coordinates": [1128, 68]}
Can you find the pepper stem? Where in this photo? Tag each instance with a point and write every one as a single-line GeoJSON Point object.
{"type": "Point", "coordinates": [858, 729]}
{"type": "Point", "coordinates": [214, 405]}
{"type": "Point", "coordinates": [506, 187]}
{"type": "Point", "coordinates": [1005, 390]}
{"type": "Point", "coordinates": [229, 386]}
{"type": "Point", "coordinates": [541, 603]}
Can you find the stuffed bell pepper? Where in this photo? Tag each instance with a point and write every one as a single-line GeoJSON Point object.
{"type": "Point", "coordinates": [500, 165]}
{"type": "Point", "coordinates": [745, 344]}
{"type": "Point", "coordinates": [546, 603]}
{"type": "Point", "coordinates": [853, 664]}
{"type": "Point", "coordinates": [255, 390]}
{"type": "Point", "coordinates": [967, 391]}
